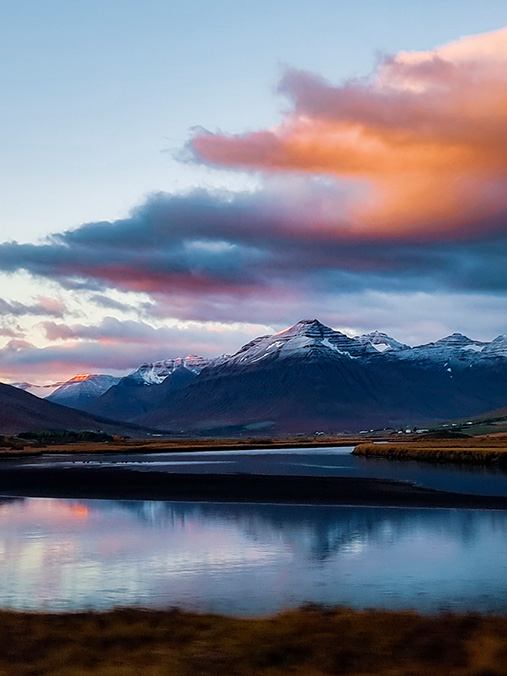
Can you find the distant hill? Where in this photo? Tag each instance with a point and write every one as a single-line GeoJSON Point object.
{"type": "Point", "coordinates": [491, 422]}
{"type": "Point", "coordinates": [21, 411]}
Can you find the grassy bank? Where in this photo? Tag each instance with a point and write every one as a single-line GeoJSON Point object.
{"type": "Point", "coordinates": [475, 451]}
{"type": "Point", "coordinates": [308, 642]}
{"type": "Point", "coordinates": [13, 447]}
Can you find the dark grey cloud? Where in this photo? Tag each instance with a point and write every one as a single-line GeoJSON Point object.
{"type": "Point", "coordinates": [43, 306]}
{"type": "Point", "coordinates": [207, 249]}
{"type": "Point", "coordinates": [109, 303]}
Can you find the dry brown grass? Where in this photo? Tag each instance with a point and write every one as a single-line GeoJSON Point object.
{"type": "Point", "coordinates": [309, 642]}
{"type": "Point", "coordinates": [478, 450]}
{"type": "Point", "coordinates": [177, 445]}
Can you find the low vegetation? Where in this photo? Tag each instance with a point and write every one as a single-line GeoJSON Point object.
{"type": "Point", "coordinates": [306, 642]}
{"type": "Point", "coordinates": [10, 443]}
{"type": "Point", "coordinates": [476, 450]}
{"type": "Point", "coordinates": [64, 441]}
{"type": "Point", "coordinates": [64, 436]}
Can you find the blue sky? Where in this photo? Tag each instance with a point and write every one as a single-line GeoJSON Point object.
{"type": "Point", "coordinates": [99, 102]}
{"type": "Point", "coordinates": [98, 94]}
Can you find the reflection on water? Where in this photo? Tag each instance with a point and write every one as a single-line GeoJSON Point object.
{"type": "Point", "coordinates": [248, 559]}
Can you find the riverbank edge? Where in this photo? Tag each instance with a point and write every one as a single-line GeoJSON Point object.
{"type": "Point", "coordinates": [309, 641]}
{"type": "Point", "coordinates": [127, 484]}
{"type": "Point", "coordinates": [133, 447]}
{"type": "Point", "coordinates": [435, 453]}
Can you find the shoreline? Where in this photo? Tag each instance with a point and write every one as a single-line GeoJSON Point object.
{"type": "Point", "coordinates": [165, 446]}
{"type": "Point", "coordinates": [467, 453]}
{"type": "Point", "coordinates": [128, 484]}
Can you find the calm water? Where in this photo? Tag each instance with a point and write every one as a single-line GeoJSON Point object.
{"type": "Point", "coordinates": [252, 559]}
{"type": "Point", "coordinates": [247, 559]}
{"type": "Point", "coordinates": [308, 462]}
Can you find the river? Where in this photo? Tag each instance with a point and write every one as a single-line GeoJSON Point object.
{"type": "Point", "coordinates": [255, 559]}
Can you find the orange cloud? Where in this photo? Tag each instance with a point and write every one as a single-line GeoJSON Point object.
{"type": "Point", "coordinates": [427, 135]}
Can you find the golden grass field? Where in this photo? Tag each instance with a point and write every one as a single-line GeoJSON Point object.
{"type": "Point", "coordinates": [13, 446]}
{"type": "Point", "coordinates": [306, 642]}
{"type": "Point", "coordinates": [477, 450]}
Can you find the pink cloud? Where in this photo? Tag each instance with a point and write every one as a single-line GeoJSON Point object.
{"type": "Point", "coordinates": [428, 135]}
{"type": "Point", "coordinates": [52, 306]}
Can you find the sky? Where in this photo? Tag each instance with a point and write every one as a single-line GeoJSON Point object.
{"type": "Point", "coordinates": [180, 178]}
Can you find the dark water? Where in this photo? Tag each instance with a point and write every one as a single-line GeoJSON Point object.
{"type": "Point", "coordinates": [307, 462]}
{"type": "Point", "coordinates": [248, 559]}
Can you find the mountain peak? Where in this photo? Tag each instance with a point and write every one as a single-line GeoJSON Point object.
{"type": "Point", "coordinates": [458, 340]}
{"type": "Point", "coordinates": [382, 342]}
{"type": "Point", "coordinates": [310, 322]}
{"type": "Point", "coordinates": [497, 347]}
{"type": "Point", "coordinates": [82, 386]}
{"type": "Point", "coordinates": [154, 373]}
{"type": "Point", "coordinates": [308, 327]}
{"type": "Point", "coordinates": [308, 338]}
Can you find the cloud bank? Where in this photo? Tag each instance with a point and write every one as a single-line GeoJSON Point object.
{"type": "Point", "coordinates": [203, 249]}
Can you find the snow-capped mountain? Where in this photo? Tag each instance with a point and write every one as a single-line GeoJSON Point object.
{"type": "Point", "coordinates": [497, 347]}
{"type": "Point", "coordinates": [313, 377]}
{"type": "Point", "coordinates": [41, 391]}
{"type": "Point", "coordinates": [154, 373]}
{"type": "Point", "coordinates": [147, 386]}
{"type": "Point", "coordinates": [83, 389]}
{"type": "Point", "coordinates": [308, 338]}
{"type": "Point", "coordinates": [382, 342]}
{"type": "Point", "coordinates": [454, 350]}
{"type": "Point", "coordinates": [458, 340]}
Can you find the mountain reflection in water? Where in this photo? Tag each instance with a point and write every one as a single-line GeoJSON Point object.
{"type": "Point", "coordinates": [248, 559]}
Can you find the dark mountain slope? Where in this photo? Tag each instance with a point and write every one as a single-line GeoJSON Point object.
{"type": "Point", "coordinates": [132, 397]}
{"type": "Point", "coordinates": [21, 412]}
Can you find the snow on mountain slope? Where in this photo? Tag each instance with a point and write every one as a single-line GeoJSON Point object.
{"type": "Point", "coordinates": [308, 376]}
{"type": "Point", "coordinates": [312, 340]}
{"type": "Point", "coordinates": [458, 340]}
{"type": "Point", "coordinates": [382, 342]}
{"type": "Point", "coordinates": [41, 391]}
{"type": "Point", "coordinates": [81, 388]}
{"type": "Point", "coordinates": [454, 350]}
{"type": "Point", "coordinates": [497, 347]}
{"type": "Point", "coordinates": [308, 338]}
{"type": "Point", "coordinates": [154, 373]}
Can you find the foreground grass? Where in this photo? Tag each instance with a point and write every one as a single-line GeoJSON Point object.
{"type": "Point", "coordinates": [478, 450]}
{"type": "Point", "coordinates": [309, 642]}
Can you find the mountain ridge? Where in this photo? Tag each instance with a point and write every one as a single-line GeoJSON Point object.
{"type": "Point", "coordinates": [310, 376]}
{"type": "Point", "coordinates": [307, 377]}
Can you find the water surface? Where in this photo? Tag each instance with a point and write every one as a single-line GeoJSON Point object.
{"type": "Point", "coordinates": [328, 461]}
{"type": "Point", "coordinates": [248, 559]}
